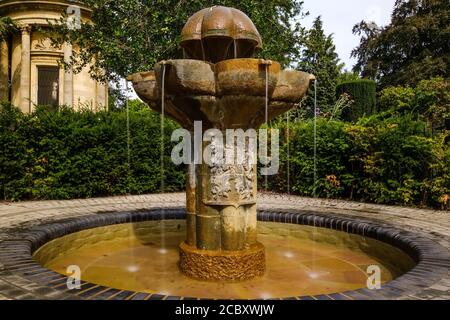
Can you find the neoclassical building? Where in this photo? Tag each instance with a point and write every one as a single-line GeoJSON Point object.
{"type": "Point", "coordinates": [30, 67]}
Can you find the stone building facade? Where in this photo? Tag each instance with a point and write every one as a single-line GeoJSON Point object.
{"type": "Point", "coordinates": [31, 72]}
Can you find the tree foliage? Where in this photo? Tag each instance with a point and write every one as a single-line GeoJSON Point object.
{"type": "Point", "coordinates": [347, 76]}
{"type": "Point", "coordinates": [7, 26]}
{"type": "Point", "coordinates": [128, 36]}
{"type": "Point", "coordinates": [413, 47]}
{"type": "Point", "coordinates": [319, 57]}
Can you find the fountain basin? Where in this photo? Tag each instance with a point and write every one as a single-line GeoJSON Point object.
{"type": "Point", "coordinates": [245, 76]}
{"type": "Point", "coordinates": [229, 94]}
{"type": "Point", "coordinates": [303, 260]}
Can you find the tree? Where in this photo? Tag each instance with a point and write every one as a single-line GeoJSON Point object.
{"type": "Point", "coordinates": [413, 47]}
{"type": "Point", "coordinates": [347, 76]}
{"type": "Point", "coordinates": [7, 26]}
{"type": "Point", "coordinates": [128, 36]}
{"type": "Point", "coordinates": [319, 57]}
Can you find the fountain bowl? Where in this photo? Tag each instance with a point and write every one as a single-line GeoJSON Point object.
{"type": "Point", "coordinates": [228, 94]}
{"type": "Point", "coordinates": [309, 256]}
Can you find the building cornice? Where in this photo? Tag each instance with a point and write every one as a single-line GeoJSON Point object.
{"type": "Point", "coordinates": [8, 7]}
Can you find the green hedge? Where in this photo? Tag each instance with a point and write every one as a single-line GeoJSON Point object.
{"type": "Point", "coordinates": [66, 154]}
{"type": "Point", "coordinates": [363, 94]}
{"type": "Point", "coordinates": [62, 155]}
{"type": "Point", "coordinates": [429, 101]}
{"type": "Point", "coordinates": [381, 160]}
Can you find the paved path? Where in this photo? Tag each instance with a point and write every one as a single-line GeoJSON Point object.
{"type": "Point", "coordinates": [429, 223]}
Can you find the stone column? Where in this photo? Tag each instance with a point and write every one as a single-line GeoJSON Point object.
{"type": "Point", "coordinates": [190, 205]}
{"type": "Point", "coordinates": [4, 70]}
{"type": "Point", "coordinates": [25, 70]}
{"type": "Point", "coordinates": [68, 77]}
{"type": "Point", "coordinates": [102, 95]}
{"type": "Point", "coordinates": [226, 248]}
{"type": "Point", "coordinates": [226, 202]}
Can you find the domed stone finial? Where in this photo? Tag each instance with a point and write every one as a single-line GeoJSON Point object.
{"type": "Point", "coordinates": [220, 33]}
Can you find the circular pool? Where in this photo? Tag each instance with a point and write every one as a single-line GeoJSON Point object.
{"type": "Point", "coordinates": [302, 260]}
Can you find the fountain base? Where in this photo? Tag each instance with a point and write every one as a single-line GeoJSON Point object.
{"type": "Point", "coordinates": [222, 265]}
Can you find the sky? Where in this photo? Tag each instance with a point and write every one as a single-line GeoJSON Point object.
{"type": "Point", "coordinates": [339, 17]}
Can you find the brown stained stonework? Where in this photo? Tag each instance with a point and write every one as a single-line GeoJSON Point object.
{"type": "Point", "coordinates": [238, 76]}
{"type": "Point", "coordinates": [220, 33]}
{"type": "Point", "coordinates": [292, 86]}
{"type": "Point", "coordinates": [222, 266]}
{"type": "Point", "coordinates": [216, 94]}
{"type": "Point", "coordinates": [230, 94]}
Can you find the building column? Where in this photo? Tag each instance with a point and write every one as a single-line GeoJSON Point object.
{"type": "Point", "coordinates": [102, 96]}
{"type": "Point", "coordinates": [68, 76]}
{"type": "Point", "coordinates": [25, 70]}
{"type": "Point", "coordinates": [4, 70]}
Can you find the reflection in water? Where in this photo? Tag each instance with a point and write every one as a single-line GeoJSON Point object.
{"type": "Point", "coordinates": [130, 256]}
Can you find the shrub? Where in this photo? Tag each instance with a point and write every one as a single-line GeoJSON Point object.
{"type": "Point", "coordinates": [332, 150]}
{"type": "Point", "coordinates": [429, 101]}
{"type": "Point", "coordinates": [385, 158]}
{"type": "Point", "coordinates": [400, 99]}
{"type": "Point", "coordinates": [363, 94]}
{"type": "Point", "coordinates": [393, 160]}
{"type": "Point", "coordinates": [67, 154]}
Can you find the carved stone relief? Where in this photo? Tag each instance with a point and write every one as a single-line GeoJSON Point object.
{"type": "Point", "coordinates": [222, 176]}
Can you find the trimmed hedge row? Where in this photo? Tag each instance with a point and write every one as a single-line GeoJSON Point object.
{"type": "Point", "coordinates": [65, 154]}
{"type": "Point", "coordinates": [363, 93]}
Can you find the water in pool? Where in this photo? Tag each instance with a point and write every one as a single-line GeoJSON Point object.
{"type": "Point", "coordinates": [301, 260]}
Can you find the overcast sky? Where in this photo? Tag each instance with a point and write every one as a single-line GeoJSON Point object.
{"type": "Point", "coordinates": [339, 17]}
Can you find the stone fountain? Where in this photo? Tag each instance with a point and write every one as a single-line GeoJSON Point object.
{"type": "Point", "coordinates": [221, 85]}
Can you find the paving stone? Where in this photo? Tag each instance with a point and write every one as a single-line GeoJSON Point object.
{"type": "Point", "coordinates": [440, 288]}
{"type": "Point", "coordinates": [432, 224]}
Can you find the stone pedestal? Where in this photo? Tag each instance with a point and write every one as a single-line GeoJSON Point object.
{"type": "Point", "coordinates": [191, 215]}
{"type": "Point", "coordinates": [221, 239]}
{"type": "Point", "coordinates": [222, 265]}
